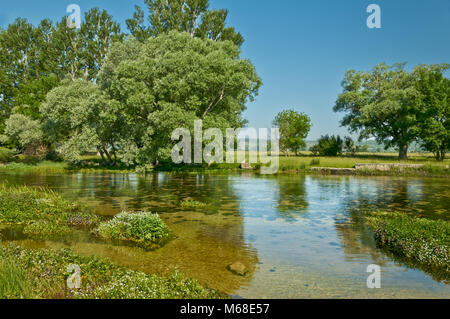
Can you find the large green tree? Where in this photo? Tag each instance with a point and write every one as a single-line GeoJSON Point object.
{"type": "Point", "coordinates": [171, 80]}
{"type": "Point", "coordinates": [434, 111]}
{"type": "Point", "coordinates": [191, 16]}
{"type": "Point", "coordinates": [294, 128]}
{"type": "Point", "coordinates": [381, 104]}
{"type": "Point", "coordinates": [79, 117]}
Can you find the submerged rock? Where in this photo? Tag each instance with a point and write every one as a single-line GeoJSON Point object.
{"type": "Point", "coordinates": [238, 268]}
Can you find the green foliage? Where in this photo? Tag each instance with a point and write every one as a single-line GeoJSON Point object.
{"type": "Point", "coordinates": [349, 145]}
{"type": "Point", "coordinates": [330, 145]}
{"type": "Point", "coordinates": [41, 211]}
{"type": "Point", "coordinates": [294, 128]}
{"type": "Point", "coordinates": [168, 82]}
{"type": "Point", "coordinates": [422, 240]}
{"type": "Point", "coordinates": [34, 59]}
{"type": "Point", "coordinates": [191, 16]}
{"type": "Point", "coordinates": [6, 155]}
{"type": "Point", "coordinates": [78, 115]}
{"type": "Point", "coordinates": [44, 229]}
{"type": "Point", "coordinates": [145, 229]}
{"type": "Point", "coordinates": [43, 273]}
{"type": "Point", "coordinates": [32, 93]}
{"type": "Point", "coordinates": [192, 204]}
{"type": "Point", "coordinates": [27, 133]}
{"type": "Point", "coordinates": [382, 104]}
{"type": "Point", "coordinates": [434, 108]}
{"type": "Point", "coordinates": [14, 282]}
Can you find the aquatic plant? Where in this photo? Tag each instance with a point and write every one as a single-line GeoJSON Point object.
{"type": "Point", "coordinates": [422, 240]}
{"type": "Point", "coordinates": [192, 204]}
{"type": "Point", "coordinates": [41, 273]}
{"type": "Point", "coordinates": [145, 229]}
{"type": "Point", "coordinates": [41, 211]}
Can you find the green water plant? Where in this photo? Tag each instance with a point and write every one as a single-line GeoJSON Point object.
{"type": "Point", "coordinates": [41, 211]}
{"type": "Point", "coordinates": [423, 241]}
{"type": "Point", "coordinates": [35, 274]}
{"type": "Point", "coordinates": [192, 204]}
{"type": "Point", "coordinates": [145, 229]}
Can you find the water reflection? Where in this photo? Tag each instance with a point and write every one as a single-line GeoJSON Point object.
{"type": "Point", "coordinates": [300, 236]}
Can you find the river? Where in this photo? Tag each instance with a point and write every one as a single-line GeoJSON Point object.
{"type": "Point", "coordinates": [300, 236]}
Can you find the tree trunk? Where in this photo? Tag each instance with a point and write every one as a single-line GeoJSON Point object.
{"type": "Point", "coordinates": [103, 156]}
{"type": "Point", "coordinates": [403, 152]}
{"type": "Point", "coordinates": [108, 156]}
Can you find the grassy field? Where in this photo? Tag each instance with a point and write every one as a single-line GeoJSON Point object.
{"type": "Point", "coordinates": [287, 164]}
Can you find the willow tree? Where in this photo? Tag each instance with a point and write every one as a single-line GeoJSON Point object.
{"type": "Point", "coordinates": [79, 118]}
{"type": "Point", "coordinates": [171, 80]}
{"type": "Point", "coordinates": [381, 104]}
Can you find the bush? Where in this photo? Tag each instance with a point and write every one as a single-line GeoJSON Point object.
{"type": "Point", "coordinates": [145, 229]}
{"type": "Point", "coordinates": [330, 145]}
{"type": "Point", "coordinates": [315, 161]}
{"type": "Point", "coordinates": [6, 155]}
{"type": "Point", "coordinates": [421, 240]}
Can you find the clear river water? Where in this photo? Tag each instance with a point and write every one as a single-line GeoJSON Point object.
{"type": "Point", "coordinates": [300, 236]}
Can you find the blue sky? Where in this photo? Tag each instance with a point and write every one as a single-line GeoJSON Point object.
{"type": "Point", "coordinates": [301, 49]}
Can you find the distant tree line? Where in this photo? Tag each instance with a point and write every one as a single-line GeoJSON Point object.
{"type": "Point", "coordinates": [396, 107]}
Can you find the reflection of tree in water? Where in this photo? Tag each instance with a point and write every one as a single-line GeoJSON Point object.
{"type": "Point", "coordinates": [409, 196]}
{"type": "Point", "coordinates": [207, 240]}
{"type": "Point", "coordinates": [292, 196]}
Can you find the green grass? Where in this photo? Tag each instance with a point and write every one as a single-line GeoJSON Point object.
{"type": "Point", "coordinates": [144, 229]}
{"type": "Point", "coordinates": [6, 155]}
{"type": "Point", "coordinates": [42, 212]}
{"type": "Point", "coordinates": [14, 282]}
{"type": "Point", "coordinates": [423, 241]}
{"type": "Point", "coordinates": [287, 164]}
{"type": "Point", "coordinates": [36, 274]}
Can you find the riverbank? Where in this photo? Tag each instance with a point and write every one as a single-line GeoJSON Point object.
{"type": "Point", "coordinates": [363, 165]}
{"type": "Point", "coordinates": [44, 215]}
{"type": "Point", "coordinates": [43, 274]}
{"type": "Point", "coordinates": [418, 242]}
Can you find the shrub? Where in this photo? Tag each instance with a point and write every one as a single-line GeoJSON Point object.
{"type": "Point", "coordinates": [330, 145]}
{"type": "Point", "coordinates": [421, 240]}
{"type": "Point", "coordinates": [315, 161]}
{"type": "Point", "coordinates": [145, 229]}
{"type": "Point", "coordinates": [6, 155]}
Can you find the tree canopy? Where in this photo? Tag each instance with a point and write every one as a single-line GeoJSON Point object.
{"type": "Point", "coordinates": [294, 128]}
{"type": "Point", "coordinates": [171, 80]}
{"type": "Point", "coordinates": [191, 16]}
{"type": "Point", "coordinates": [381, 104]}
